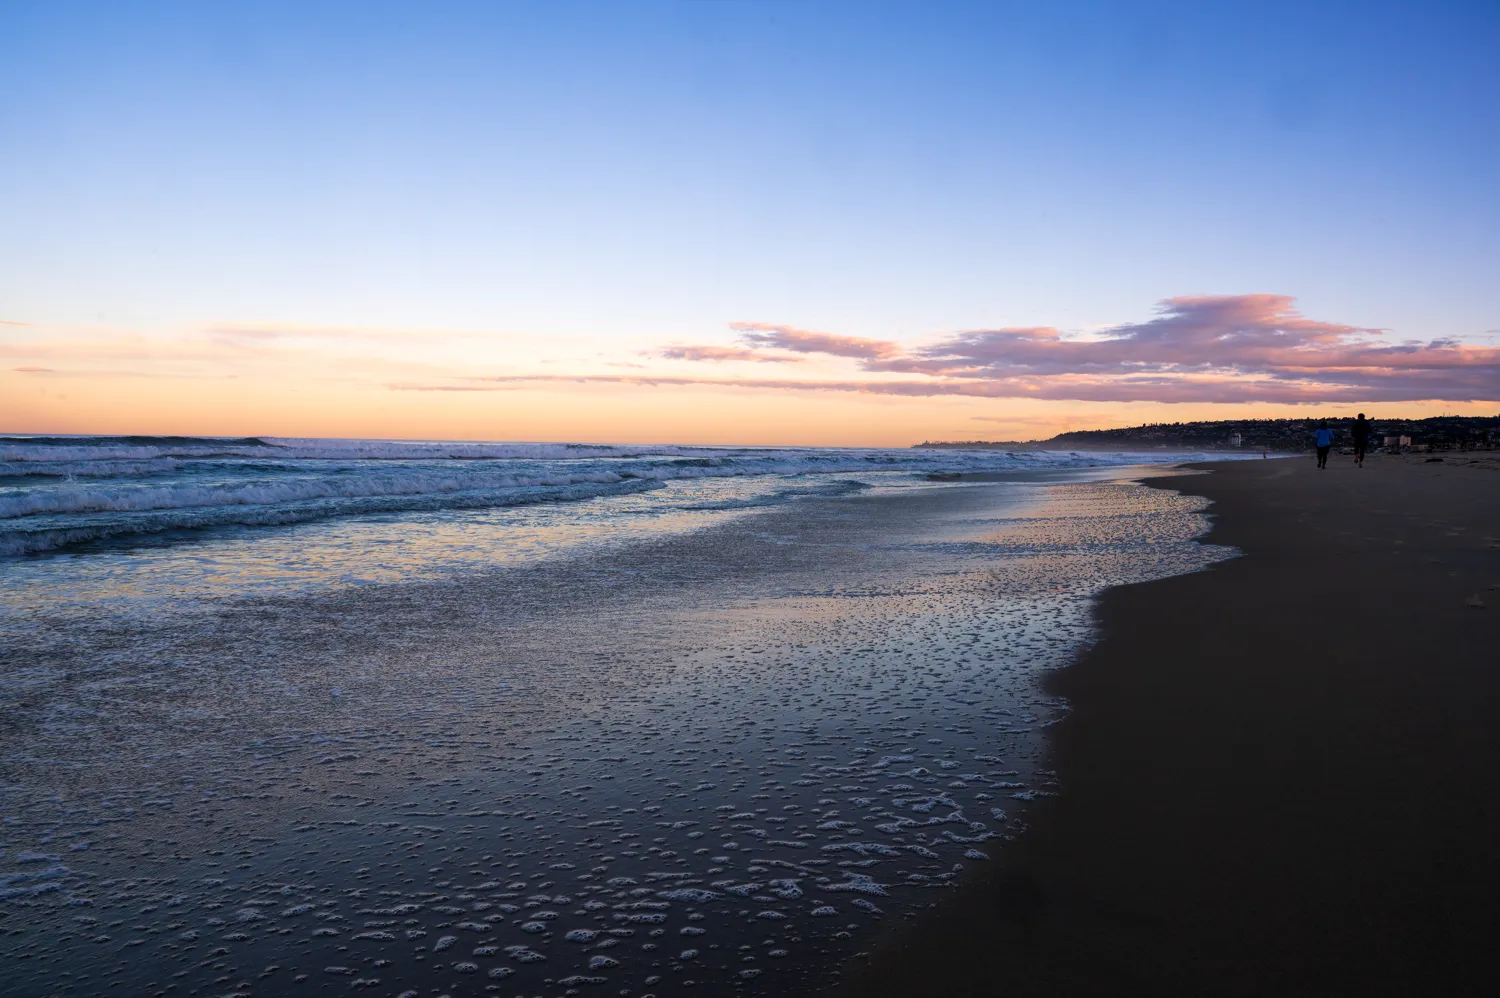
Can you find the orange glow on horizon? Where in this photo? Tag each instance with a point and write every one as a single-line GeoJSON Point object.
{"type": "Point", "coordinates": [41, 402]}
{"type": "Point", "coordinates": [291, 380]}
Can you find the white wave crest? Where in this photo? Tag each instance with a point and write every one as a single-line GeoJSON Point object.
{"type": "Point", "coordinates": [272, 493]}
{"type": "Point", "coordinates": [23, 537]}
{"type": "Point", "coordinates": [143, 485]}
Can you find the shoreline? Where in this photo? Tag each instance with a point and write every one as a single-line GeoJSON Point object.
{"type": "Point", "coordinates": [678, 752]}
{"type": "Point", "coordinates": [1279, 774]}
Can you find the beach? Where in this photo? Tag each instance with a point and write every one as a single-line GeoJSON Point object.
{"type": "Point", "coordinates": [1279, 775]}
{"type": "Point", "coordinates": [712, 730]}
{"type": "Point", "coordinates": [1083, 726]}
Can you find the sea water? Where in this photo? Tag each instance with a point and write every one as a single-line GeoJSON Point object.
{"type": "Point", "coordinates": [524, 719]}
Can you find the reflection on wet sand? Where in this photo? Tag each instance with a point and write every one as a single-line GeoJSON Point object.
{"type": "Point", "coordinates": [710, 758]}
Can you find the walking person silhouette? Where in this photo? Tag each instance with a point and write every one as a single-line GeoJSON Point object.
{"type": "Point", "coordinates": [1361, 432]}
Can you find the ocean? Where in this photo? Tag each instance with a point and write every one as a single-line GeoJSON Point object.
{"type": "Point", "coordinates": [468, 718]}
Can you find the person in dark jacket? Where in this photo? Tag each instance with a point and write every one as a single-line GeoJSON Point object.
{"type": "Point", "coordinates": [1361, 433]}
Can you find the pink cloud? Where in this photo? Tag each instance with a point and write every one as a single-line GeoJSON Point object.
{"type": "Point", "coordinates": [1228, 348]}
{"type": "Point", "coordinates": [230, 332]}
{"type": "Point", "coordinates": [762, 334]}
{"type": "Point", "coordinates": [713, 353]}
{"type": "Point", "coordinates": [1138, 389]}
{"type": "Point", "coordinates": [398, 387]}
{"type": "Point", "coordinates": [1260, 335]}
{"type": "Point", "coordinates": [1206, 348]}
{"type": "Point", "coordinates": [1088, 388]}
{"type": "Point", "coordinates": [130, 354]}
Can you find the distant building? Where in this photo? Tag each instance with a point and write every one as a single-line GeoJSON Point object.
{"type": "Point", "coordinates": [1235, 440]}
{"type": "Point", "coordinates": [1397, 442]}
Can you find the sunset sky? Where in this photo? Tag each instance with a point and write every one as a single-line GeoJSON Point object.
{"type": "Point", "coordinates": [776, 222]}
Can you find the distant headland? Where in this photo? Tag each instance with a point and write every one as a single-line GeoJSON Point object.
{"type": "Point", "coordinates": [1433, 433]}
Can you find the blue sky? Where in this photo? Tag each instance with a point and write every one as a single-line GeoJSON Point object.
{"type": "Point", "coordinates": [615, 176]}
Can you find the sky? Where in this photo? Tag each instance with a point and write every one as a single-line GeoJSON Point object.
{"type": "Point", "coordinates": [779, 223]}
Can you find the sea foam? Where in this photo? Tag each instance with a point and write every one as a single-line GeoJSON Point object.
{"type": "Point", "coordinates": [61, 491]}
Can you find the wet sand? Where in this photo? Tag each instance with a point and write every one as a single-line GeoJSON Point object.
{"type": "Point", "coordinates": [715, 761]}
{"type": "Point", "coordinates": [1279, 776]}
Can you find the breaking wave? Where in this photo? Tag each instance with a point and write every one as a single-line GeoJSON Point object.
{"type": "Point", "coordinates": [57, 492]}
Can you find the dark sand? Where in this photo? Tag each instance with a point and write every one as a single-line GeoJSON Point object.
{"type": "Point", "coordinates": [1281, 776]}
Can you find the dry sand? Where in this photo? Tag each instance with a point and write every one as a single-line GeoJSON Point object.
{"type": "Point", "coordinates": [1281, 776]}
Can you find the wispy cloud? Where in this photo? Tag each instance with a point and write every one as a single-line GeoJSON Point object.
{"type": "Point", "coordinates": [293, 332]}
{"type": "Point", "coordinates": [713, 353]}
{"type": "Point", "coordinates": [1255, 348]}
{"type": "Point", "coordinates": [1228, 339]}
{"type": "Point", "coordinates": [763, 334]}
{"type": "Point", "coordinates": [213, 352]}
{"type": "Point", "coordinates": [1133, 389]}
{"type": "Point", "coordinates": [402, 387]}
{"type": "Point", "coordinates": [1242, 332]}
{"type": "Point", "coordinates": [1210, 348]}
{"type": "Point", "coordinates": [1047, 421]}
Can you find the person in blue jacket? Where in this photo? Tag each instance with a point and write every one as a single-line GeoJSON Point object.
{"type": "Point", "coordinates": [1324, 442]}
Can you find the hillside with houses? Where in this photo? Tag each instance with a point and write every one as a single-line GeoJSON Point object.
{"type": "Point", "coordinates": [1435, 433]}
